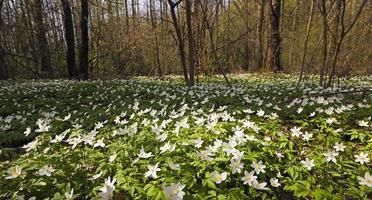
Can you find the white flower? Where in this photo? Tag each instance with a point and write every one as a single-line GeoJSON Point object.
{"type": "Point", "coordinates": [46, 150]}
{"type": "Point", "coordinates": [67, 117]}
{"type": "Point", "coordinates": [99, 143]}
{"type": "Point", "coordinates": [279, 155]}
{"type": "Point", "coordinates": [259, 186]}
{"type": "Point", "coordinates": [236, 166]}
{"type": "Point", "coordinates": [99, 125]}
{"type": "Point", "coordinates": [46, 170]}
{"type": "Point", "coordinates": [366, 180]}
{"type": "Point", "coordinates": [260, 113]}
{"type": "Point", "coordinates": [152, 171]}
{"type": "Point", "coordinates": [43, 126]}
{"type": "Point", "coordinates": [238, 155]}
{"type": "Point", "coordinates": [362, 158]}
{"type": "Point", "coordinates": [331, 120]}
{"type": "Point", "coordinates": [306, 136]}
{"type": "Point", "coordinates": [96, 176]}
{"type": "Point", "coordinates": [60, 137]}
{"type": "Point", "coordinates": [14, 172]}
{"type": "Point", "coordinates": [31, 146]}
{"type": "Point", "coordinates": [69, 195]}
{"type": "Point", "coordinates": [339, 147]}
{"type": "Point", "coordinates": [113, 157]}
{"type": "Point", "coordinates": [296, 132]}
{"type": "Point", "coordinates": [217, 177]}
{"type": "Point", "coordinates": [108, 189]}
{"type": "Point", "coordinates": [274, 182]}
{"type": "Point", "coordinates": [308, 163]}
{"type": "Point", "coordinates": [331, 156]}
{"type": "Point", "coordinates": [162, 137]}
{"type": "Point", "coordinates": [363, 123]}
{"type": "Point", "coordinates": [173, 166]}
{"type": "Point", "coordinates": [74, 141]}
{"type": "Point", "coordinates": [167, 147]}
{"type": "Point", "coordinates": [248, 178]}
{"type": "Point", "coordinates": [27, 131]}
{"type": "Point", "coordinates": [229, 147]}
{"type": "Point", "coordinates": [205, 155]}
{"type": "Point", "coordinates": [77, 126]}
{"type": "Point", "coordinates": [299, 110]}
{"type": "Point", "coordinates": [174, 191]}
{"type": "Point", "coordinates": [258, 167]}
{"type": "Point", "coordinates": [143, 154]}
{"type": "Point", "coordinates": [197, 142]}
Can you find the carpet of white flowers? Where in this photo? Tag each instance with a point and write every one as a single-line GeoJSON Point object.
{"type": "Point", "coordinates": [266, 137]}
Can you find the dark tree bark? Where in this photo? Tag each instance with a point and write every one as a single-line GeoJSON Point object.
{"type": "Point", "coordinates": [3, 67]}
{"type": "Point", "coordinates": [84, 48]}
{"type": "Point", "coordinates": [259, 40]}
{"type": "Point", "coordinates": [70, 39]}
{"type": "Point", "coordinates": [191, 43]}
{"type": "Point", "coordinates": [323, 11]}
{"type": "Point", "coordinates": [273, 62]}
{"type": "Point", "coordinates": [45, 61]}
{"type": "Point", "coordinates": [126, 14]}
{"type": "Point", "coordinates": [181, 44]}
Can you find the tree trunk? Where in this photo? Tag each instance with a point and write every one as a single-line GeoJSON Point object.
{"type": "Point", "coordinates": [3, 67]}
{"type": "Point", "coordinates": [45, 61]}
{"type": "Point", "coordinates": [152, 18]}
{"type": "Point", "coordinates": [191, 43]}
{"type": "Point", "coordinates": [306, 40]}
{"type": "Point", "coordinates": [259, 41]}
{"type": "Point", "coordinates": [323, 11]}
{"type": "Point", "coordinates": [84, 48]}
{"type": "Point", "coordinates": [181, 44]}
{"type": "Point", "coordinates": [70, 39]}
{"type": "Point", "coordinates": [274, 38]}
{"type": "Point", "coordinates": [126, 14]}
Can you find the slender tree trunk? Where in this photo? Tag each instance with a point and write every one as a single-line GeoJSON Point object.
{"type": "Point", "coordinates": [260, 26]}
{"type": "Point", "coordinates": [294, 36]}
{"type": "Point", "coordinates": [335, 36]}
{"type": "Point", "coordinates": [45, 61]}
{"type": "Point", "coordinates": [152, 18]}
{"type": "Point", "coordinates": [84, 48]}
{"type": "Point", "coordinates": [70, 39]}
{"type": "Point", "coordinates": [181, 44]}
{"type": "Point", "coordinates": [306, 39]}
{"type": "Point", "coordinates": [190, 42]}
{"type": "Point", "coordinates": [133, 5]}
{"type": "Point", "coordinates": [3, 66]}
{"type": "Point", "coordinates": [126, 14]}
{"type": "Point", "coordinates": [323, 11]}
{"type": "Point", "coordinates": [274, 40]}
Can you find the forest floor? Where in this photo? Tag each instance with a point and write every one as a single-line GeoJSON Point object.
{"type": "Point", "coordinates": [266, 137]}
